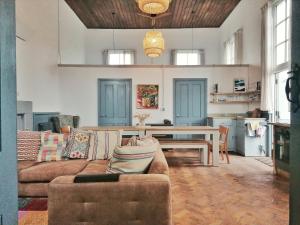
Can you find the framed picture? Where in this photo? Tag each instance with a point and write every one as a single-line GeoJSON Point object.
{"type": "Point", "coordinates": [147, 96]}
{"type": "Point", "coordinates": [239, 85]}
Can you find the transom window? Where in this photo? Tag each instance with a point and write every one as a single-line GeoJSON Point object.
{"type": "Point", "coordinates": [282, 32]}
{"type": "Point", "coordinates": [188, 57]}
{"type": "Point", "coordinates": [119, 57]}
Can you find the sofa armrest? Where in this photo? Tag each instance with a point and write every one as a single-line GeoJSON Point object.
{"type": "Point", "coordinates": [134, 199]}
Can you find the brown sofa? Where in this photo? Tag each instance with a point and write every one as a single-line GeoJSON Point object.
{"type": "Point", "coordinates": [136, 199]}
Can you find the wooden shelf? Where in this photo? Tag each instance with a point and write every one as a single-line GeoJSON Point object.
{"type": "Point", "coordinates": [237, 93]}
{"type": "Point", "coordinates": [234, 102]}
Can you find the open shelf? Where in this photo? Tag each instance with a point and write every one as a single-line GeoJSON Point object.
{"type": "Point", "coordinates": [233, 102]}
{"type": "Point", "coordinates": [237, 93]}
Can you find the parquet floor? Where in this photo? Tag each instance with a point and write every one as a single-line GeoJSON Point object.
{"type": "Point", "coordinates": [244, 192]}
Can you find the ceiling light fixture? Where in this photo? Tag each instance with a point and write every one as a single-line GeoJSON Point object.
{"type": "Point", "coordinates": [154, 44]}
{"type": "Point", "coordinates": [154, 6]}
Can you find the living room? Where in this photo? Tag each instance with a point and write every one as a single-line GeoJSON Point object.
{"type": "Point", "coordinates": [197, 93]}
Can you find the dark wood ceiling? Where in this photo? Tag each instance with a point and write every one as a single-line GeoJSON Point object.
{"type": "Point", "coordinates": [98, 13]}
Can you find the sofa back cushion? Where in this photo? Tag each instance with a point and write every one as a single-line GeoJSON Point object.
{"type": "Point", "coordinates": [78, 145]}
{"type": "Point", "coordinates": [131, 159]}
{"type": "Point", "coordinates": [52, 146]}
{"type": "Point", "coordinates": [28, 144]}
{"type": "Point", "coordinates": [103, 143]}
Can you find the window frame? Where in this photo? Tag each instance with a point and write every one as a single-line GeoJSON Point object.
{"type": "Point", "coordinates": [107, 52]}
{"type": "Point", "coordinates": [200, 52]}
{"type": "Point", "coordinates": [287, 20]}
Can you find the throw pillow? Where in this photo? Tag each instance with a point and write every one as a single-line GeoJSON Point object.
{"type": "Point", "coordinates": [78, 145]}
{"type": "Point", "coordinates": [65, 130]}
{"type": "Point", "coordinates": [103, 143]}
{"type": "Point", "coordinates": [143, 141]}
{"type": "Point", "coordinates": [52, 146]}
{"type": "Point", "coordinates": [132, 141]}
{"type": "Point", "coordinates": [131, 159]}
{"type": "Point", "coordinates": [28, 145]}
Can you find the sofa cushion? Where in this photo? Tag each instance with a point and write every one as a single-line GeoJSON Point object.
{"type": "Point", "coordinates": [103, 143]}
{"type": "Point", "coordinates": [131, 159]}
{"type": "Point", "coordinates": [52, 146]}
{"type": "Point", "coordinates": [95, 167]}
{"type": "Point", "coordinates": [28, 144]}
{"type": "Point", "coordinates": [78, 145]}
{"type": "Point", "coordinates": [26, 164]}
{"type": "Point", "coordinates": [47, 171]}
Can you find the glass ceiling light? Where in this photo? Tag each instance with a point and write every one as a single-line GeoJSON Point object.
{"type": "Point", "coordinates": [154, 44]}
{"type": "Point", "coordinates": [153, 6]}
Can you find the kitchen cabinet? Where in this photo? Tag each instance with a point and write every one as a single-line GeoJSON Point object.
{"type": "Point", "coordinates": [247, 145]}
{"type": "Point", "coordinates": [238, 140]}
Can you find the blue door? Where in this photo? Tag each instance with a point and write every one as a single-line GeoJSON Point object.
{"type": "Point", "coordinates": [190, 102]}
{"type": "Point", "coordinates": [114, 104]}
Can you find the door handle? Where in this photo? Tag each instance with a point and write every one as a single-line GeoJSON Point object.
{"type": "Point", "coordinates": [295, 100]}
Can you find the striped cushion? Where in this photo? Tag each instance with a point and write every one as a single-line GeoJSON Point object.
{"type": "Point", "coordinates": [103, 143]}
{"type": "Point", "coordinates": [52, 146]}
{"type": "Point", "coordinates": [131, 159]}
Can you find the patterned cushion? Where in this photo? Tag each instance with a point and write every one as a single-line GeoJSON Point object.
{"type": "Point", "coordinates": [65, 120]}
{"type": "Point", "coordinates": [103, 143]}
{"type": "Point", "coordinates": [132, 141]}
{"type": "Point", "coordinates": [28, 144]}
{"type": "Point", "coordinates": [78, 145]}
{"type": "Point", "coordinates": [131, 159]}
{"type": "Point", "coordinates": [52, 146]}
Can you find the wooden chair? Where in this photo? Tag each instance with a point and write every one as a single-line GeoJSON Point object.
{"type": "Point", "coordinates": [223, 146]}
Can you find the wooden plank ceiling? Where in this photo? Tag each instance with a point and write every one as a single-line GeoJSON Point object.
{"type": "Point", "coordinates": [98, 14]}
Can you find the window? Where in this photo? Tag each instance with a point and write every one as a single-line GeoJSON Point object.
{"type": "Point", "coordinates": [233, 48]}
{"type": "Point", "coordinates": [282, 106]}
{"type": "Point", "coordinates": [188, 57]}
{"type": "Point", "coordinates": [119, 57]}
{"type": "Point", "coordinates": [281, 33]}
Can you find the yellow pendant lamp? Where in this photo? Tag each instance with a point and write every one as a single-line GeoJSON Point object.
{"type": "Point", "coordinates": [153, 6]}
{"type": "Point", "coordinates": [154, 44]}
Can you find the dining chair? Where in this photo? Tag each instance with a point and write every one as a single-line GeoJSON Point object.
{"type": "Point", "coordinates": [223, 144]}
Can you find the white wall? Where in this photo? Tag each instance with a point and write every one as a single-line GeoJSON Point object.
{"type": "Point", "coordinates": [204, 38]}
{"type": "Point", "coordinates": [246, 15]}
{"type": "Point", "coordinates": [79, 88]}
{"type": "Point", "coordinates": [72, 36]}
{"type": "Point", "coordinates": [37, 72]}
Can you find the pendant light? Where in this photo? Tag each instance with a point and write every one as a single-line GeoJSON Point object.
{"type": "Point", "coordinates": [153, 6]}
{"type": "Point", "coordinates": [154, 44]}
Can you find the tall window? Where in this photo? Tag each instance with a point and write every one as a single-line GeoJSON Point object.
{"type": "Point", "coordinates": [188, 57]}
{"type": "Point", "coordinates": [281, 58]}
{"type": "Point", "coordinates": [282, 106]}
{"type": "Point", "coordinates": [282, 33]}
{"type": "Point", "coordinates": [119, 57]}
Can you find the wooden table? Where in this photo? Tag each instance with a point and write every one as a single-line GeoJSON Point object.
{"type": "Point", "coordinates": [204, 130]}
{"type": "Point", "coordinates": [148, 130]}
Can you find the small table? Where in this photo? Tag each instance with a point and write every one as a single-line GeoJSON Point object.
{"type": "Point", "coordinates": [204, 130]}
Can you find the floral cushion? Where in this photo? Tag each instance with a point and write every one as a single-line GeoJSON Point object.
{"type": "Point", "coordinates": [52, 146]}
{"type": "Point", "coordinates": [78, 145]}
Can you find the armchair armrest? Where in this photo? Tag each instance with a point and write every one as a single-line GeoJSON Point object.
{"type": "Point", "coordinates": [133, 200]}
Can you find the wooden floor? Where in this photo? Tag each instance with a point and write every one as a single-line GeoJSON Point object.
{"type": "Point", "coordinates": [244, 192]}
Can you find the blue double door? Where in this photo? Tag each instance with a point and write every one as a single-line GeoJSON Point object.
{"type": "Point", "coordinates": [114, 102]}
{"type": "Point", "coordinates": [190, 102]}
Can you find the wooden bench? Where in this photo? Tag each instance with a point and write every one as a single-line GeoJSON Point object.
{"type": "Point", "coordinates": [187, 144]}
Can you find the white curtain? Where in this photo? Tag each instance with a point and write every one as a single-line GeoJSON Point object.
{"type": "Point", "coordinates": [267, 97]}
{"type": "Point", "coordinates": [233, 48]}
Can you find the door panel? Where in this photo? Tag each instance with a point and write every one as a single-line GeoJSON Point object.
{"type": "Point", "coordinates": [114, 102]}
{"type": "Point", "coordinates": [190, 102]}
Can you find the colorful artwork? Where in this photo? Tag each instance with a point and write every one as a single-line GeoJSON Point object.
{"type": "Point", "coordinates": [147, 96]}
{"type": "Point", "coordinates": [239, 85]}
